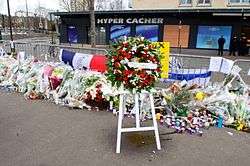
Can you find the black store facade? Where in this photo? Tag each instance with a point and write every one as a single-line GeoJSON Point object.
{"type": "Point", "coordinates": [188, 28]}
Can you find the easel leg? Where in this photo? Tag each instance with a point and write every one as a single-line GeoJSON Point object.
{"type": "Point", "coordinates": [118, 143]}
{"type": "Point", "coordinates": [157, 138]}
{"type": "Point", "coordinates": [137, 114]}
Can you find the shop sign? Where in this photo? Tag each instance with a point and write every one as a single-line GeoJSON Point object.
{"type": "Point", "coordinates": [130, 21]}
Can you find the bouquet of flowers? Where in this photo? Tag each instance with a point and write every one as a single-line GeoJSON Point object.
{"type": "Point", "coordinates": [137, 51]}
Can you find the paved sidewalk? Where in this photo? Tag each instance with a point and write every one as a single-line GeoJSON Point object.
{"type": "Point", "coordinates": [39, 133]}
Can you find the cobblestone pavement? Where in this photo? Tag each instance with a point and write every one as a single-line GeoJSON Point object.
{"type": "Point", "coordinates": [39, 133]}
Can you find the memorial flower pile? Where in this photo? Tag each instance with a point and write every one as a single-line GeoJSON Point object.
{"type": "Point", "coordinates": [179, 106]}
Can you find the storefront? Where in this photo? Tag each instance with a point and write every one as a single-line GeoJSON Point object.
{"type": "Point", "coordinates": [186, 28]}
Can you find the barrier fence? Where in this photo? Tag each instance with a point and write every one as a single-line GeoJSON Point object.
{"type": "Point", "coordinates": [187, 66]}
{"type": "Point", "coordinates": [43, 51]}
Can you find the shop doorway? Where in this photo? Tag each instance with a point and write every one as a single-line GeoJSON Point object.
{"type": "Point", "coordinates": [171, 33]}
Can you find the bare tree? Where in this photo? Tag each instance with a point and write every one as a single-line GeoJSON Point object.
{"type": "Point", "coordinates": [91, 6]}
{"type": "Point", "coordinates": [85, 4]}
{"type": "Point", "coordinates": [66, 5]}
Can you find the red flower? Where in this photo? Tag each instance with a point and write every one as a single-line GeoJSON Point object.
{"type": "Point", "coordinates": [125, 44]}
{"type": "Point", "coordinates": [144, 55]}
{"type": "Point", "coordinates": [125, 79]}
{"type": "Point", "coordinates": [98, 97]}
{"type": "Point", "coordinates": [121, 57]}
{"type": "Point", "coordinates": [98, 85]}
{"type": "Point", "coordinates": [141, 84]}
{"type": "Point", "coordinates": [117, 64]}
{"type": "Point", "coordinates": [118, 78]}
{"type": "Point", "coordinates": [158, 70]}
{"type": "Point", "coordinates": [142, 75]}
{"type": "Point", "coordinates": [120, 51]}
{"type": "Point", "coordinates": [115, 58]}
{"type": "Point", "coordinates": [127, 72]}
{"type": "Point", "coordinates": [128, 56]}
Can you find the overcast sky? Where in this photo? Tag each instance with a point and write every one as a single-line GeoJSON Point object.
{"type": "Point", "coordinates": [32, 4]}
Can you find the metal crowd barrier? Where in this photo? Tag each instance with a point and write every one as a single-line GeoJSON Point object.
{"type": "Point", "coordinates": [244, 64]}
{"type": "Point", "coordinates": [182, 64]}
{"type": "Point", "coordinates": [184, 67]}
{"type": "Point", "coordinates": [44, 51]}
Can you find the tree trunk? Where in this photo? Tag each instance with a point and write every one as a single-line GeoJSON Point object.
{"type": "Point", "coordinates": [92, 23]}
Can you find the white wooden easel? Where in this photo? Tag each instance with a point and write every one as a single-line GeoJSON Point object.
{"type": "Point", "coordinates": [138, 127]}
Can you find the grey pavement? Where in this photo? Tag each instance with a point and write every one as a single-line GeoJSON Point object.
{"type": "Point", "coordinates": [39, 133]}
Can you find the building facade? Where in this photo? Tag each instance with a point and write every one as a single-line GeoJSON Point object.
{"type": "Point", "coordinates": [188, 26]}
{"type": "Point", "coordinates": [193, 4]}
{"type": "Point", "coordinates": [80, 5]}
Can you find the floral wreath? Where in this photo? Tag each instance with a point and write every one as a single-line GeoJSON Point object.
{"type": "Point", "coordinates": [135, 50]}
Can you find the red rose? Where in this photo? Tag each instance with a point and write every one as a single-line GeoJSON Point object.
{"type": "Point", "coordinates": [142, 75]}
{"type": "Point", "coordinates": [158, 70]}
{"type": "Point", "coordinates": [144, 55]}
{"type": "Point", "coordinates": [125, 44]}
{"type": "Point", "coordinates": [120, 52]}
{"type": "Point", "coordinates": [118, 78]}
{"type": "Point", "coordinates": [121, 57]}
{"type": "Point", "coordinates": [127, 72]}
{"type": "Point", "coordinates": [141, 84]}
{"type": "Point", "coordinates": [128, 56]}
{"type": "Point", "coordinates": [115, 58]}
{"type": "Point", "coordinates": [117, 64]}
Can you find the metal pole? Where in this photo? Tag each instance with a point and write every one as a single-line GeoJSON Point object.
{"type": "Point", "coordinates": [3, 22]}
{"type": "Point", "coordinates": [179, 36]}
{"type": "Point", "coordinates": [12, 46]}
{"type": "Point", "coordinates": [10, 22]}
{"type": "Point", "coordinates": [51, 29]}
{"type": "Point", "coordinates": [27, 16]}
{"type": "Point", "coordinates": [92, 23]}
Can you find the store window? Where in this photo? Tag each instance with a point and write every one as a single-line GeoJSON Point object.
{"type": "Point", "coordinates": [72, 34]}
{"type": "Point", "coordinates": [130, 4]}
{"type": "Point", "coordinates": [118, 31]}
{"type": "Point", "coordinates": [239, 2]}
{"type": "Point", "coordinates": [204, 2]}
{"type": "Point", "coordinates": [150, 32]}
{"type": "Point", "coordinates": [208, 36]}
{"type": "Point", "coordinates": [101, 35]}
{"type": "Point", "coordinates": [185, 2]}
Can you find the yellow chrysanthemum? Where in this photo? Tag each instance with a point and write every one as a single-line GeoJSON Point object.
{"type": "Point", "coordinates": [200, 96]}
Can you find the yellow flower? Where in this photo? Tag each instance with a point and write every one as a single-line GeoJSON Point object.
{"type": "Point", "coordinates": [240, 127]}
{"type": "Point", "coordinates": [200, 96]}
{"type": "Point", "coordinates": [168, 97]}
{"type": "Point", "coordinates": [158, 116]}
